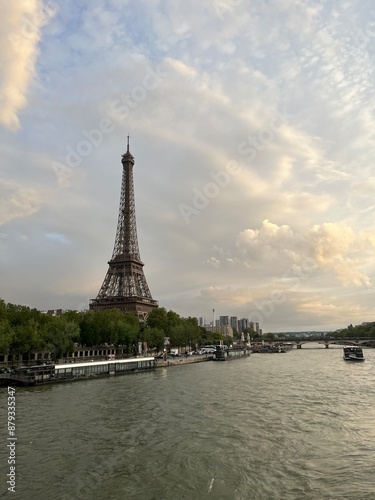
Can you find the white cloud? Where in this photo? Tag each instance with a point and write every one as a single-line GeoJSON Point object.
{"type": "Point", "coordinates": [337, 247]}
{"type": "Point", "coordinates": [331, 247]}
{"type": "Point", "coordinates": [17, 201]}
{"type": "Point", "coordinates": [20, 29]}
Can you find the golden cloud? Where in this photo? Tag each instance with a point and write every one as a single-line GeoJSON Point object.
{"type": "Point", "coordinates": [20, 29]}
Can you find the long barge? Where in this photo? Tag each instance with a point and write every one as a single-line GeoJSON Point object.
{"type": "Point", "coordinates": [230, 354]}
{"type": "Point", "coordinates": [50, 374]}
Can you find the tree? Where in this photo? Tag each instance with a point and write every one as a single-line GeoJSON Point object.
{"type": "Point", "coordinates": [62, 335]}
{"type": "Point", "coordinates": [154, 338]}
{"type": "Point", "coordinates": [158, 319]}
{"type": "Point", "coordinates": [26, 337]}
{"type": "Point", "coordinates": [177, 335]}
{"type": "Point", "coordinates": [3, 310]}
{"type": "Point", "coordinates": [128, 330]}
{"type": "Point", "coordinates": [269, 336]}
{"type": "Point", "coordinates": [174, 320]}
{"type": "Point", "coordinates": [192, 332]}
{"type": "Point", "coordinates": [89, 329]}
{"type": "Point", "coordinates": [6, 336]}
{"type": "Point", "coordinates": [212, 338]}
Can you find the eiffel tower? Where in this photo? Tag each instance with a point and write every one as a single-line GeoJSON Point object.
{"type": "Point", "coordinates": [125, 286]}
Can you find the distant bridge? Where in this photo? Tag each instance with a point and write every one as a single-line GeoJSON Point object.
{"type": "Point", "coordinates": [365, 342]}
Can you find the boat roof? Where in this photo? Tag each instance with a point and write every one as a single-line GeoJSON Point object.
{"type": "Point", "coordinates": [98, 363]}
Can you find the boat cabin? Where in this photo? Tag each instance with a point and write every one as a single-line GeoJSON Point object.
{"type": "Point", "coordinates": [353, 353]}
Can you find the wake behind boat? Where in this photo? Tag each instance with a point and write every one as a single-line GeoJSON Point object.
{"type": "Point", "coordinates": [353, 353]}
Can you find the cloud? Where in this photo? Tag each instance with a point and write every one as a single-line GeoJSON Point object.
{"type": "Point", "coordinates": [330, 313]}
{"type": "Point", "coordinates": [17, 201]}
{"type": "Point", "coordinates": [264, 243]}
{"type": "Point", "coordinates": [227, 297]}
{"type": "Point", "coordinates": [336, 247]}
{"type": "Point", "coordinates": [20, 30]}
{"type": "Point", "coordinates": [331, 247]}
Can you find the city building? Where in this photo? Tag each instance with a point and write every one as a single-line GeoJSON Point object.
{"type": "Point", "coordinates": [225, 330]}
{"type": "Point", "coordinates": [224, 320]}
{"type": "Point", "coordinates": [234, 322]}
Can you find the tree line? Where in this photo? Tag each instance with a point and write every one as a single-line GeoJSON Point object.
{"type": "Point", "coordinates": [23, 330]}
{"type": "Point", "coordinates": [357, 331]}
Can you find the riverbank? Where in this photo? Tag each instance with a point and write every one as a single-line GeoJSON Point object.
{"type": "Point", "coordinates": [160, 363]}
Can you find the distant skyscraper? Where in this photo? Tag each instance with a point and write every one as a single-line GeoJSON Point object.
{"type": "Point", "coordinates": [234, 322]}
{"type": "Point", "coordinates": [243, 324]}
{"type": "Point", "coordinates": [224, 320]}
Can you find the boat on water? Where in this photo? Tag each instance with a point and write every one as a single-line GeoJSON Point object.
{"type": "Point", "coordinates": [50, 374]}
{"type": "Point", "coordinates": [353, 353]}
{"type": "Point", "coordinates": [229, 354]}
{"type": "Point", "coordinates": [269, 349]}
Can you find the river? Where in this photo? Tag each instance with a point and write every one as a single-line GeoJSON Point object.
{"type": "Point", "coordinates": [292, 426]}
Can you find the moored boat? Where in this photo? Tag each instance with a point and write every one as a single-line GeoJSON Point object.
{"type": "Point", "coordinates": [229, 354]}
{"type": "Point", "coordinates": [353, 353]}
{"type": "Point", "coordinates": [47, 374]}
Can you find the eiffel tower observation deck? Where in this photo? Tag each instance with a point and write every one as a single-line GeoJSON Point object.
{"type": "Point", "coordinates": [125, 286]}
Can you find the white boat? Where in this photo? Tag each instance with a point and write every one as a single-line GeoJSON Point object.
{"type": "Point", "coordinates": [353, 353]}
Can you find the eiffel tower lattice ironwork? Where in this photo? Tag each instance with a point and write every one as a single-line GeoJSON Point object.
{"type": "Point", "coordinates": [125, 286]}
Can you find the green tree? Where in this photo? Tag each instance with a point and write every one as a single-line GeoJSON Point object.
{"type": "Point", "coordinates": [158, 319]}
{"type": "Point", "coordinates": [128, 330]}
{"type": "Point", "coordinates": [61, 336]}
{"type": "Point", "coordinates": [192, 332]}
{"type": "Point", "coordinates": [110, 325]}
{"type": "Point", "coordinates": [90, 329]}
{"type": "Point", "coordinates": [269, 336]}
{"type": "Point", "coordinates": [154, 338]}
{"type": "Point", "coordinates": [26, 337]}
{"type": "Point", "coordinates": [177, 335]}
{"type": "Point", "coordinates": [3, 310]}
{"type": "Point", "coordinates": [6, 336]}
{"type": "Point", "coordinates": [174, 320]}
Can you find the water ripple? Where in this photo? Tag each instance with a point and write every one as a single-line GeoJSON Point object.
{"type": "Point", "coordinates": [295, 426]}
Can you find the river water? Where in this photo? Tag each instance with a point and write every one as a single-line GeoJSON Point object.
{"type": "Point", "coordinates": [292, 426]}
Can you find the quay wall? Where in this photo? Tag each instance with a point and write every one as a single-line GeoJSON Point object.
{"type": "Point", "coordinates": [181, 361]}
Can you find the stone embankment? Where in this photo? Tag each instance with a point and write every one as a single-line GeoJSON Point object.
{"type": "Point", "coordinates": [178, 361]}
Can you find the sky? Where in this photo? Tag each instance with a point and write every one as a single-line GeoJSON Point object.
{"type": "Point", "coordinates": [252, 126]}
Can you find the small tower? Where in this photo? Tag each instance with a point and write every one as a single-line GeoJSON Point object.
{"type": "Point", "coordinates": [125, 286]}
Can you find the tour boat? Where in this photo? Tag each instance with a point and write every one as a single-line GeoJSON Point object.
{"type": "Point", "coordinates": [353, 353]}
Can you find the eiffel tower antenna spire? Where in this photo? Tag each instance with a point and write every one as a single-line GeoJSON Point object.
{"type": "Point", "coordinates": [125, 286]}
